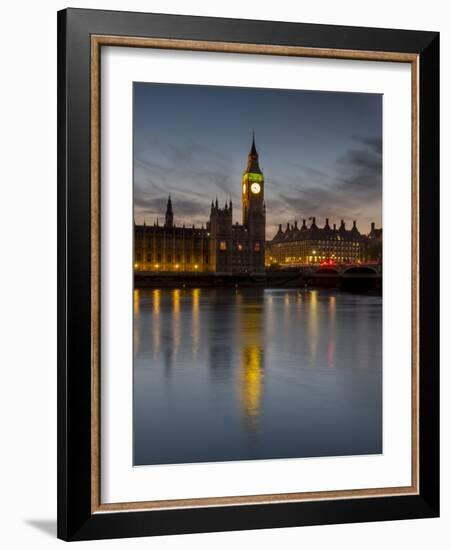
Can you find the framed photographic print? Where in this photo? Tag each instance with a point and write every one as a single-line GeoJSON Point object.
{"type": "Point", "coordinates": [248, 274]}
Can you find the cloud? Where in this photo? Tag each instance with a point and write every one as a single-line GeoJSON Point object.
{"type": "Point", "coordinates": [350, 188]}
{"type": "Point", "coordinates": [354, 189]}
{"type": "Point", "coordinates": [192, 175]}
{"type": "Point", "coordinates": [175, 165]}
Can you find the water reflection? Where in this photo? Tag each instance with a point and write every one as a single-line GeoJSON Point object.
{"type": "Point", "coordinates": [313, 324]}
{"type": "Point", "coordinates": [251, 383]}
{"type": "Point", "coordinates": [221, 339]}
{"type": "Point", "coordinates": [137, 328]}
{"type": "Point", "coordinates": [299, 369]}
{"type": "Point", "coordinates": [176, 320]}
{"type": "Point", "coordinates": [250, 329]}
{"type": "Point", "coordinates": [156, 321]}
{"type": "Point", "coordinates": [331, 330]}
{"type": "Point", "coordinates": [195, 320]}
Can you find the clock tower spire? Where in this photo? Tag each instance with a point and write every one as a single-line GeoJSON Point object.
{"type": "Point", "coordinates": [252, 185]}
{"type": "Point", "coordinates": [254, 211]}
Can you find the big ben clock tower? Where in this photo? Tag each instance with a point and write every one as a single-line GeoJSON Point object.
{"type": "Point", "coordinates": [252, 186]}
{"type": "Point", "coordinates": [254, 212]}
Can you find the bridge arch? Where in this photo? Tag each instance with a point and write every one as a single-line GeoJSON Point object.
{"type": "Point", "coordinates": [360, 270]}
{"type": "Point", "coordinates": [326, 271]}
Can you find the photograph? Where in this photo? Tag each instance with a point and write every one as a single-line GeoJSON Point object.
{"type": "Point", "coordinates": [257, 268]}
{"type": "Point", "coordinates": [248, 272]}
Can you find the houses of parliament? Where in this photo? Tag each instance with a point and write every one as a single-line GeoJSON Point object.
{"type": "Point", "coordinates": [225, 248]}
{"type": "Point", "coordinates": [221, 246]}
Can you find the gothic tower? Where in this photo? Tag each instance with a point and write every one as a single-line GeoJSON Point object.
{"type": "Point", "coordinates": [252, 185]}
{"type": "Point", "coordinates": [254, 210]}
{"type": "Point", "coordinates": [221, 237]}
{"type": "Point", "coordinates": [169, 218]}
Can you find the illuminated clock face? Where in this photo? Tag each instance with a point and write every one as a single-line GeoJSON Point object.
{"type": "Point", "coordinates": [244, 188]}
{"type": "Point", "coordinates": [255, 188]}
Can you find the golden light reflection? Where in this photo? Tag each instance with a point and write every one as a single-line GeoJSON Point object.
{"type": "Point", "coordinates": [251, 382]}
{"type": "Point", "coordinates": [250, 334]}
{"type": "Point", "coordinates": [136, 302]}
{"type": "Point", "coordinates": [156, 299]}
{"type": "Point", "coordinates": [176, 329]}
{"type": "Point", "coordinates": [287, 301]}
{"type": "Point", "coordinates": [313, 325]}
{"type": "Point", "coordinates": [195, 320]}
{"type": "Point", "coordinates": [176, 301]}
{"type": "Point", "coordinates": [156, 331]}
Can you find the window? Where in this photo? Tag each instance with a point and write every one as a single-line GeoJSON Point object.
{"type": "Point", "coordinates": [149, 257]}
{"type": "Point", "coordinates": [257, 246]}
{"type": "Point", "coordinates": [188, 259]}
{"type": "Point", "coordinates": [158, 257]}
{"type": "Point", "coordinates": [239, 247]}
{"type": "Point", "coordinates": [169, 258]}
{"type": "Point", "coordinates": [222, 245]}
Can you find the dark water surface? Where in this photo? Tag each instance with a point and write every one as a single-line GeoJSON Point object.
{"type": "Point", "coordinates": [248, 374]}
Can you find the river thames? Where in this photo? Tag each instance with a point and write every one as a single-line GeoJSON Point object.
{"type": "Point", "coordinates": [225, 374]}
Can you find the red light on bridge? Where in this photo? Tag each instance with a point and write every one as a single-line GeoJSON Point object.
{"type": "Point", "coordinates": [329, 262]}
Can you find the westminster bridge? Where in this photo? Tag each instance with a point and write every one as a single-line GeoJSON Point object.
{"type": "Point", "coordinates": [347, 276]}
{"type": "Point", "coordinates": [362, 276]}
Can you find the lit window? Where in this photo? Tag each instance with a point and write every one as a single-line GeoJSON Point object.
{"type": "Point", "coordinates": [239, 246]}
{"type": "Point", "coordinates": [257, 247]}
{"type": "Point", "coordinates": [222, 245]}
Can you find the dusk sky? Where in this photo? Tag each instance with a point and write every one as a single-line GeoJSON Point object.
{"type": "Point", "coordinates": [320, 152]}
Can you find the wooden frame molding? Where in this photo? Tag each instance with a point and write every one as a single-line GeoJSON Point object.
{"type": "Point", "coordinates": [97, 41]}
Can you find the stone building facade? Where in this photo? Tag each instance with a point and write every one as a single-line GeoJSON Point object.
{"type": "Point", "coordinates": [313, 245]}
